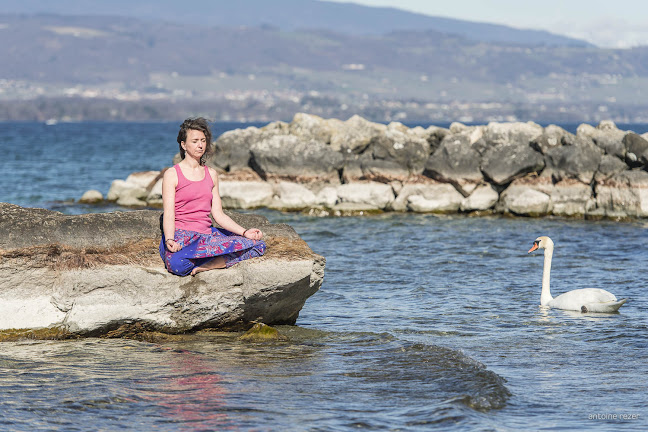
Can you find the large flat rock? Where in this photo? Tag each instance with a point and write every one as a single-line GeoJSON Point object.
{"type": "Point", "coordinates": [93, 273]}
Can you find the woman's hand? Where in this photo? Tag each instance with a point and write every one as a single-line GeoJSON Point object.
{"type": "Point", "coordinates": [172, 245]}
{"type": "Point", "coordinates": [253, 234]}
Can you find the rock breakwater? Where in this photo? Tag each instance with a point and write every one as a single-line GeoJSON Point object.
{"type": "Point", "coordinates": [329, 166]}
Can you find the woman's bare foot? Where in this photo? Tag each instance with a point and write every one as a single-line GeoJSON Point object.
{"type": "Point", "coordinates": [216, 263]}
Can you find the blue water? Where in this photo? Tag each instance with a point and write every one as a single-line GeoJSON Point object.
{"type": "Point", "coordinates": [423, 322]}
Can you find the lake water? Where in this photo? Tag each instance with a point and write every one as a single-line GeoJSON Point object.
{"type": "Point", "coordinates": [423, 322]}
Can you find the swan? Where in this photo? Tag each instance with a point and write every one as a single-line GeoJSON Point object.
{"type": "Point", "coordinates": [584, 300]}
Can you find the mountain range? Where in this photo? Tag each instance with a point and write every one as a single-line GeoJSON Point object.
{"type": "Point", "coordinates": [265, 60]}
{"type": "Point", "coordinates": [287, 15]}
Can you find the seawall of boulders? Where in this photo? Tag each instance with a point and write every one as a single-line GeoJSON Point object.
{"type": "Point", "coordinates": [329, 166]}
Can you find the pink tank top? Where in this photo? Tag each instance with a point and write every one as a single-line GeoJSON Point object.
{"type": "Point", "coordinates": [193, 203]}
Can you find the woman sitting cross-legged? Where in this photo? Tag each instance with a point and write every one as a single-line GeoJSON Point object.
{"type": "Point", "coordinates": [189, 194]}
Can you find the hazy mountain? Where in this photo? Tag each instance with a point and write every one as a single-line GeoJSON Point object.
{"type": "Point", "coordinates": [115, 67]}
{"type": "Point", "coordinates": [51, 48]}
{"type": "Point", "coordinates": [288, 15]}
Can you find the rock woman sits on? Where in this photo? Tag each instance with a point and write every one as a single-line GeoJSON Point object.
{"type": "Point", "coordinates": [189, 194]}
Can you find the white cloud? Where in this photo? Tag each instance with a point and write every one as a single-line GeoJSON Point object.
{"type": "Point", "coordinates": [605, 32]}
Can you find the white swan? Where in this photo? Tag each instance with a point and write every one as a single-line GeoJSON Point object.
{"type": "Point", "coordinates": [584, 300]}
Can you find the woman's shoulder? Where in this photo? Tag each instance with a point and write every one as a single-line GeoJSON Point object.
{"type": "Point", "coordinates": [170, 174]}
{"type": "Point", "coordinates": [213, 173]}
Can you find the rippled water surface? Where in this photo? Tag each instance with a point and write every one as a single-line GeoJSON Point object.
{"type": "Point", "coordinates": [423, 322]}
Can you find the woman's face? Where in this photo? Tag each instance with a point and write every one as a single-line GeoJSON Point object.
{"type": "Point", "coordinates": [195, 144]}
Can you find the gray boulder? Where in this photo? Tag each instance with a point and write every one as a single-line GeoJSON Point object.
{"type": "Point", "coordinates": [623, 195]}
{"type": "Point", "coordinates": [508, 161]}
{"type": "Point", "coordinates": [551, 137]}
{"type": "Point", "coordinates": [354, 135]}
{"type": "Point", "coordinates": [92, 273]}
{"type": "Point", "coordinates": [578, 162]}
{"type": "Point", "coordinates": [484, 197]}
{"type": "Point", "coordinates": [606, 136]}
{"type": "Point", "coordinates": [232, 149]}
{"type": "Point", "coordinates": [636, 150]}
{"type": "Point", "coordinates": [434, 136]}
{"type": "Point", "coordinates": [571, 198]}
{"type": "Point", "coordinates": [555, 136]}
{"type": "Point", "coordinates": [407, 150]}
{"type": "Point", "coordinates": [456, 162]}
{"type": "Point", "coordinates": [524, 200]}
{"type": "Point", "coordinates": [289, 158]}
{"type": "Point", "coordinates": [506, 133]}
{"type": "Point", "coordinates": [311, 127]}
{"type": "Point", "coordinates": [609, 167]}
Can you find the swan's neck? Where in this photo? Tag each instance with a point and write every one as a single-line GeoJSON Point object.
{"type": "Point", "coordinates": [545, 296]}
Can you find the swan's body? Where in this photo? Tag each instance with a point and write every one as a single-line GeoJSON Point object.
{"type": "Point", "coordinates": [584, 300]}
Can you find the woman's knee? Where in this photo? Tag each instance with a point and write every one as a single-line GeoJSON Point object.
{"type": "Point", "coordinates": [180, 266]}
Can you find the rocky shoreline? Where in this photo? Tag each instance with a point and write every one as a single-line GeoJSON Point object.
{"type": "Point", "coordinates": [334, 167]}
{"type": "Point", "coordinates": [90, 275]}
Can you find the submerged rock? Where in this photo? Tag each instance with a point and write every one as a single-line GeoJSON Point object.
{"type": "Point", "coordinates": [261, 333]}
{"type": "Point", "coordinates": [90, 274]}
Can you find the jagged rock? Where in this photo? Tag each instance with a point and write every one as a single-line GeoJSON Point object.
{"type": "Point", "coordinates": [92, 273]}
{"type": "Point", "coordinates": [288, 157]}
{"type": "Point", "coordinates": [623, 195]}
{"type": "Point", "coordinates": [380, 170]}
{"type": "Point", "coordinates": [555, 136]}
{"type": "Point", "coordinates": [578, 162]}
{"type": "Point", "coordinates": [505, 162]}
{"type": "Point", "coordinates": [401, 150]}
{"type": "Point", "coordinates": [292, 196]}
{"type": "Point", "coordinates": [327, 197]}
{"type": "Point", "coordinates": [133, 191]}
{"type": "Point", "coordinates": [496, 134]}
{"type": "Point", "coordinates": [484, 197]}
{"type": "Point", "coordinates": [365, 196]}
{"type": "Point", "coordinates": [571, 198]}
{"type": "Point", "coordinates": [636, 150]}
{"type": "Point", "coordinates": [144, 179]}
{"type": "Point", "coordinates": [609, 166]}
{"type": "Point", "coordinates": [606, 136]}
{"type": "Point", "coordinates": [435, 135]}
{"type": "Point", "coordinates": [427, 198]}
{"type": "Point", "coordinates": [457, 163]}
{"type": "Point", "coordinates": [355, 134]}
{"type": "Point", "coordinates": [245, 194]}
{"type": "Point", "coordinates": [154, 197]}
{"type": "Point", "coordinates": [232, 149]}
{"type": "Point", "coordinates": [310, 127]}
{"type": "Point", "coordinates": [524, 200]}
{"type": "Point", "coordinates": [126, 194]}
{"type": "Point", "coordinates": [91, 197]}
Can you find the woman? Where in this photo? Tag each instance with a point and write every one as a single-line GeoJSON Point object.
{"type": "Point", "coordinates": [189, 194]}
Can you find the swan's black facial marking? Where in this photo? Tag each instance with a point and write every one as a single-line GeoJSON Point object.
{"type": "Point", "coordinates": [583, 309]}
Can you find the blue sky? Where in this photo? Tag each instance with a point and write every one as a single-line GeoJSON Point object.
{"type": "Point", "coordinates": [610, 23]}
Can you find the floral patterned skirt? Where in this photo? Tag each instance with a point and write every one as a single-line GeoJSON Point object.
{"type": "Point", "coordinates": [198, 248]}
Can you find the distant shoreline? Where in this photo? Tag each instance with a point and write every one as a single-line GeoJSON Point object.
{"type": "Point", "coordinates": [64, 110]}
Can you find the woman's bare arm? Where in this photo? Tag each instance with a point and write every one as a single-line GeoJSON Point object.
{"type": "Point", "coordinates": [225, 221]}
{"type": "Point", "coordinates": [169, 183]}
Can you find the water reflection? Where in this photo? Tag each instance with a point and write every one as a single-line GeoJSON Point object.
{"type": "Point", "coordinates": [192, 394]}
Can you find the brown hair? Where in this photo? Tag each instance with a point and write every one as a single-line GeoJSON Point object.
{"type": "Point", "coordinates": [199, 124]}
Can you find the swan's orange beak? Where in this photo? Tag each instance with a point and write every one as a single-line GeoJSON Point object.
{"type": "Point", "coordinates": [534, 247]}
